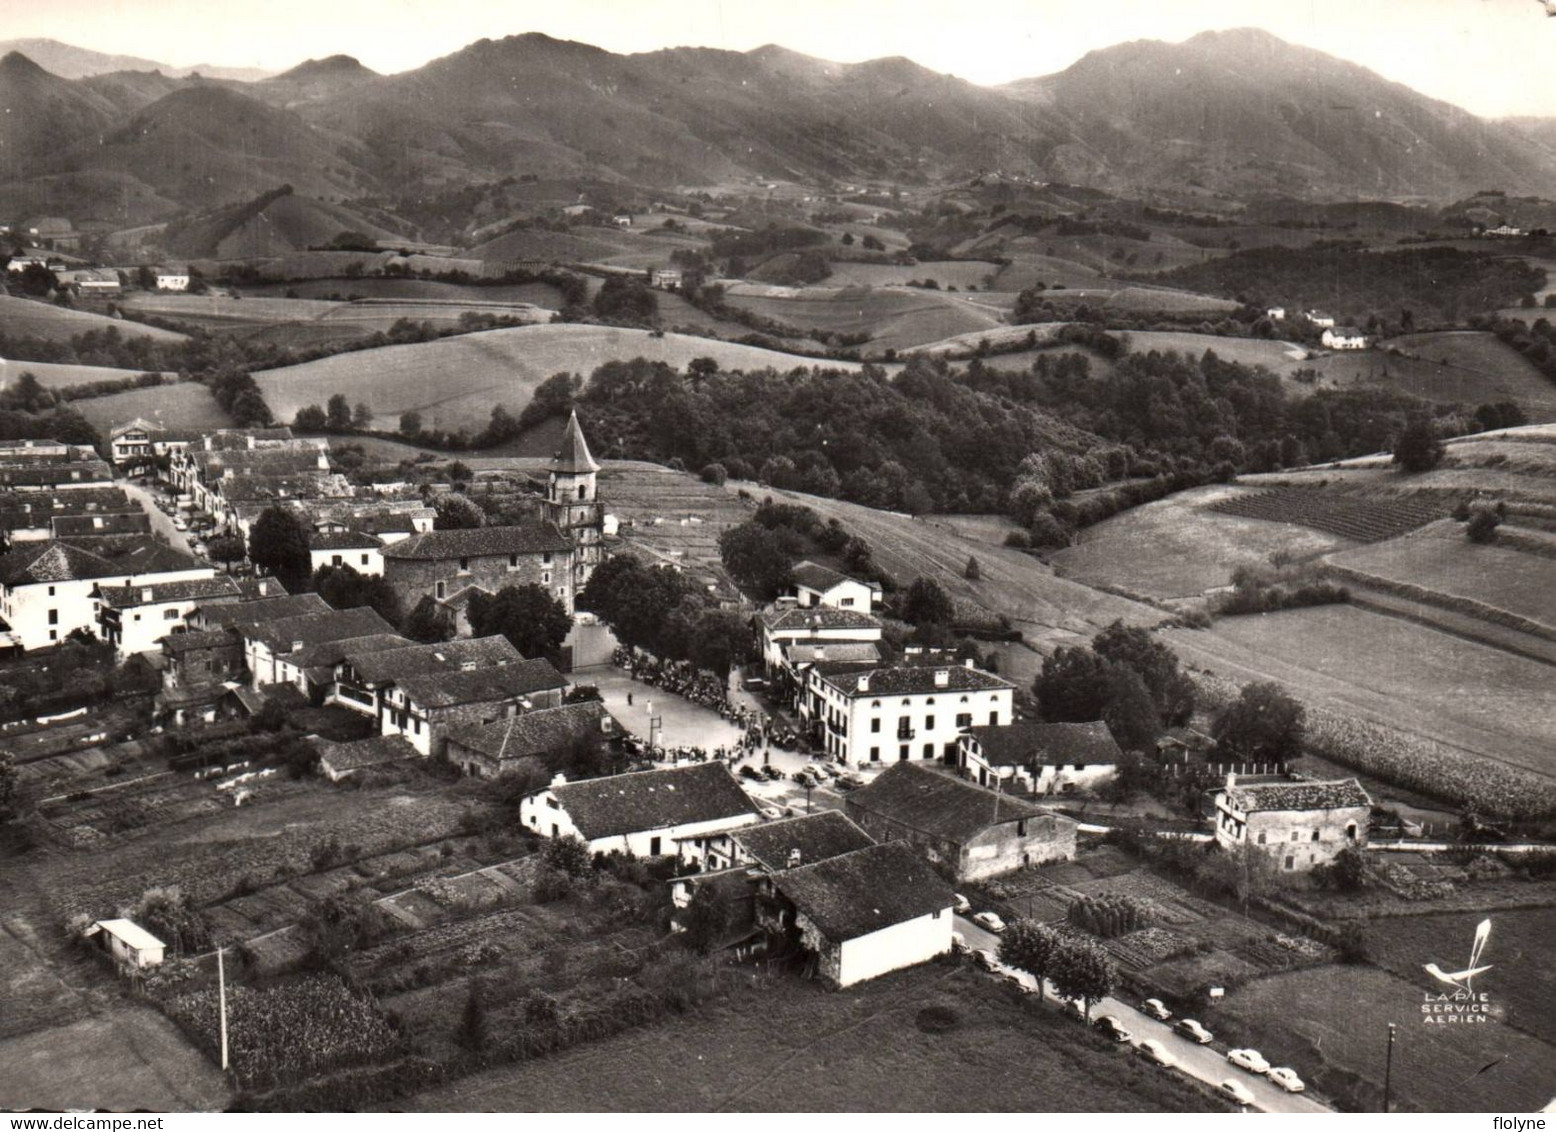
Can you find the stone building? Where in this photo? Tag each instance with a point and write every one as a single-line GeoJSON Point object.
{"type": "Point", "coordinates": [572, 502]}
{"type": "Point", "coordinates": [1300, 824]}
{"type": "Point", "coordinates": [445, 567]}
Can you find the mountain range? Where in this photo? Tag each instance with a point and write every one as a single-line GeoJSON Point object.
{"type": "Point", "coordinates": [1238, 112]}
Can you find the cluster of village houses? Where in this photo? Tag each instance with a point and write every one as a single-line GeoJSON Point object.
{"type": "Point", "coordinates": [957, 789]}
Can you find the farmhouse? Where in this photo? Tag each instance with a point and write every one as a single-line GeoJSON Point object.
{"type": "Point", "coordinates": [46, 587]}
{"type": "Point", "coordinates": [1040, 758]}
{"type": "Point", "coordinates": [862, 914]}
{"type": "Point", "coordinates": [256, 611]}
{"type": "Point", "coordinates": [645, 813]}
{"type": "Point", "coordinates": [907, 712]}
{"type": "Point", "coordinates": [965, 831]}
{"type": "Point", "coordinates": [362, 552]}
{"type": "Point", "coordinates": [47, 465]}
{"type": "Point", "coordinates": [131, 946]}
{"type": "Point", "coordinates": [1344, 338]}
{"type": "Point", "coordinates": [423, 708]}
{"type": "Point", "coordinates": [363, 676]}
{"type": "Point", "coordinates": [172, 280]}
{"type": "Point", "coordinates": [274, 649]}
{"type": "Point", "coordinates": [667, 278]}
{"type": "Point", "coordinates": [135, 618]}
{"type": "Point", "coordinates": [492, 749]}
{"type": "Point", "coordinates": [313, 669]}
{"type": "Point", "coordinates": [817, 585]}
{"type": "Point", "coordinates": [441, 565]}
{"type": "Point", "coordinates": [1276, 313]}
{"type": "Point", "coordinates": [784, 844]}
{"type": "Point", "coordinates": [32, 515]}
{"type": "Point", "coordinates": [1301, 824]}
{"type": "Point", "coordinates": [1320, 319]}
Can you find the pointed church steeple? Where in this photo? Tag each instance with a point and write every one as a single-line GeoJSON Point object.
{"type": "Point", "coordinates": [574, 458]}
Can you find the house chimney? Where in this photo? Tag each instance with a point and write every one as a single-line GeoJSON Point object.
{"type": "Point", "coordinates": [559, 779]}
{"type": "Point", "coordinates": [145, 595]}
{"type": "Point", "coordinates": [297, 646]}
{"type": "Point", "coordinates": [942, 678]}
{"type": "Point", "coordinates": [1231, 779]}
{"type": "Point", "coordinates": [796, 858]}
{"type": "Point", "coordinates": [821, 653]}
{"type": "Point", "coordinates": [967, 663]}
{"type": "Point", "coordinates": [264, 587]}
{"type": "Point", "coordinates": [864, 682]}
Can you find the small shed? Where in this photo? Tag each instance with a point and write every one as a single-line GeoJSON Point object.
{"type": "Point", "coordinates": [131, 946]}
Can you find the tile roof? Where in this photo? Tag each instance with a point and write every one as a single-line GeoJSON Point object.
{"type": "Point", "coordinates": [194, 589]}
{"type": "Point", "coordinates": [1047, 744]}
{"type": "Point", "coordinates": [815, 576]}
{"type": "Point", "coordinates": [534, 732]}
{"type": "Point", "coordinates": [49, 560]}
{"type": "Point", "coordinates": [653, 799]}
{"type": "Point", "coordinates": [821, 617]}
{"type": "Point", "coordinates": [101, 522]}
{"type": "Point", "coordinates": [375, 751]}
{"type": "Point", "coordinates": [482, 685]}
{"type": "Point", "coordinates": [816, 836]}
{"type": "Point", "coordinates": [864, 891]}
{"type": "Point", "coordinates": [1265, 796]}
{"type": "Point", "coordinates": [342, 540]}
{"type": "Point", "coordinates": [865, 654]}
{"type": "Point", "coordinates": [48, 475]}
{"type": "Point", "coordinates": [384, 667]}
{"type": "Point", "coordinates": [911, 680]}
{"type": "Point", "coordinates": [938, 804]}
{"type": "Point", "coordinates": [574, 457]}
{"type": "Point", "coordinates": [249, 613]}
{"type": "Point", "coordinates": [283, 634]}
{"type": "Point", "coordinates": [327, 654]}
{"type": "Point", "coordinates": [130, 934]}
{"type": "Point", "coordinates": [530, 538]}
{"type": "Point", "coordinates": [253, 589]}
{"type": "Point", "coordinates": [193, 639]}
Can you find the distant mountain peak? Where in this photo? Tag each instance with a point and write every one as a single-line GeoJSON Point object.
{"type": "Point", "coordinates": [332, 66]}
{"type": "Point", "coordinates": [17, 63]}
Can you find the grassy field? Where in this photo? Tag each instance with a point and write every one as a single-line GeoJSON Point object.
{"type": "Point", "coordinates": [185, 405]}
{"type": "Point", "coordinates": [260, 310]}
{"type": "Point", "coordinates": [1331, 1021]}
{"type": "Point", "coordinates": [54, 375]}
{"type": "Point", "coordinates": [1440, 559]}
{"type": "Point", "coordinates": [1458, 366]}
{"type": "Point", "coordinates": [541, 294]}
{"type": "Point", "coordinates": [1274, 355]}
{"type": "Point", "coordinates": [1522, 980]}
{"type": "Point", "coordinates": [948, 273]}
{"type": "Point", "coordinates": [1177, 547]}
{"type": "Point", "coordinates": [454, 382]}
{"type": "Point", "coordinates": [1393, 672]}
{"type": "Point", "coordinates": [894, 318]}
{"type": "Point", "coordinates": [27, 317]}
{"type": "Point", "coordinates": [790, 1046]}
{"type": "Point", "coordinates": [1047, 609]}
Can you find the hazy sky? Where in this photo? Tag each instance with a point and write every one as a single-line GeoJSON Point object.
{"type": "Point", "coordinates": [1494, 57]}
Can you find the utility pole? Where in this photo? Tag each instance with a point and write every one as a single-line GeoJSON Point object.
{"type": "Point", "coordinates": [221, 982]}
{"type": "Point", "coordinates": [1388, 1071]}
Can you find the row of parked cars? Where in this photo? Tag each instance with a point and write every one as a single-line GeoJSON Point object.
{"type": "Point", "coordinates": [817, 774]}
{"type": "Point", "coordinates": [1152, 1049]}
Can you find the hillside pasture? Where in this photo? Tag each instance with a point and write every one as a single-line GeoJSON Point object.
{"type": "Point", "coordinates": [455, 382]}
{"type": "Point", "coordinates": [1181, 546]}
{"type": "Point", "coordinates": [583, 245]}
{"type": "Point", "coordinates": [1462, 366]}
{"type": "Point", "coordinates": [540, 294]}
{"type": "Point", "coordinates": [223, 309]}
{"type": "Point", "coordinates": [1369, 517]}
{"type": "Point", "coordinates": [59, 375]}
{"type": "Point", "coordinates": [187, 405]}
{"type": "Point", "coordinates": [1329, 1022]}
{"type": "Point", "coordinates": [1438, 564]}
{"type": "Point", "coordinates": [1274, 355]}
{"type": "Point", "coordinates": [962, 274]}
{"type": "Point", "coordinates": [894, 318]}
{"type": "Point", "coordinates": [1403, 675]}
{"type": "Point", "coordinates": [33, 319]}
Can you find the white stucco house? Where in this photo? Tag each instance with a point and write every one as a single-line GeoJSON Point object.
{"type": "Point", "coordinates": [646, 813]}
{"type": "Point", "coordinates": [361, 551]}
{"type": "Point", "coordinates": [902, 713]}
{"type": "Point", "coordinates": [1040, 758]}
{"type": "Point", "coordinates": [817, 585]}
{"type": "Point", "coordinates": [131, 947]}
{"type": "Point", "coordinates": [861, 914]}
{"type": "Point", "coordinates": [1344, 338]}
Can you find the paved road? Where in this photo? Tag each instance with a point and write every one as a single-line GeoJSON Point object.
{"type": "Point", "coordinates": [1206, 1063]}
{"type": "Point", "coordinates": [160, 524]}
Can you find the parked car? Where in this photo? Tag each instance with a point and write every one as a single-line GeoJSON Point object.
{"type": "Point", "coordinates": [960, 904]}
{"type": "Point", "coordinates": [754, 684]}
{"type": "Point", "coordinates": [1194, 1032]}
{"type": "Point", "coordinates": [1112, 1027]}
{"type": "Point", "coordinates": [849, 782]}
{"type": "Point", "coordinates": [958, 943]}
{"type": "Point", "coordinates": [751, 773]}
{"type": "Point", "coordinates": [770, 812]}
{"type": "Point", "coordinates": [771, 773]}
{"type": "Point", "coordinates": [180, 523]}
{"type": "Point", "coordinates": [1236, 1090]}
{"type": "Point", "coordinates": [824, 770]}
{"type": "Point", "coordinates": [1155, 1008]}
{"type": "Point", "coordinates": [989, 922]}
{"type": "Point", "coordinates": [986, 959]}
{"type": "Point", "coordinates": [1156, 1053]}
{"type": "Point", "coordinates": [1287, 1079]}
{"type": "Point", "coordinates": [1249, 1059]}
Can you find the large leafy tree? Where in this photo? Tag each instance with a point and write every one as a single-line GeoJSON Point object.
{"type": "Point", "coordinates": [278, 542]}
{"type": "Point", "coordinates": [534, 622]}
{"type": "Point", "coordinates": [927, 603]}
{"type": "Point", "coordinates": [1417, 449]}
{"type": "Point", "coordinates": [456, 512]}
{"type": "Point", "coordinates": [1263, 725]}
{"type": "Point", "coordinates": [1030, 947]}
{"type": "Point", "coordinates": [1083, 972]}
{"type": "Point", "coordinates": [1073, 685]}
{"type": "Point", "coordinates": [757, 558]}
{"type": "Point", "coordinates": [343, 588]}
{"type": "Point", "coordinates": [1157, 665]}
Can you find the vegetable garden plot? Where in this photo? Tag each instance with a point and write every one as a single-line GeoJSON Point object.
{"type": "Point", "coordinates": [1363, 518]}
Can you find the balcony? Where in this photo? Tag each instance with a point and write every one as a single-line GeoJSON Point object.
{"type": "Point", "coordinates": [906, 732]}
